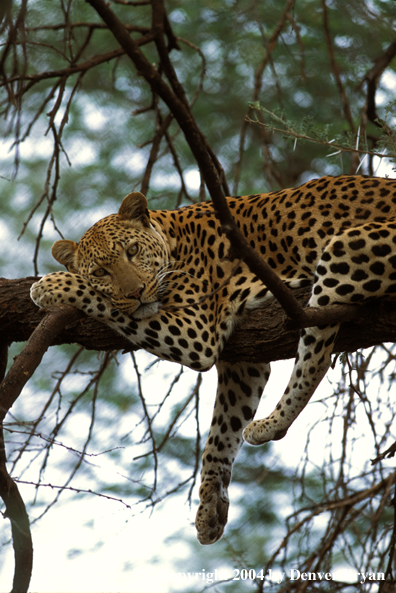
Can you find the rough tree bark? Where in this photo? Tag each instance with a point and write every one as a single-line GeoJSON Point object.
{"type": "Point", "coordinates": [264, 335]}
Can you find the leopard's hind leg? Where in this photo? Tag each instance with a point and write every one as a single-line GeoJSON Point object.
{"type": "Point", "coordinates": [355, 267]}
{"type": "Point", "coordinates": [312, 362]}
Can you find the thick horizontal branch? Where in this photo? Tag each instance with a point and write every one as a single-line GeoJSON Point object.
{"type": "Point", "coordinates": [263, 335]}
{"type": "Point", "coordinates": [267, 335]}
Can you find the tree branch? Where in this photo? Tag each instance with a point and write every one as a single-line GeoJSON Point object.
{"type": "Point", "coordinates": [29, 359]}
{"type": "Point", "coordinates": [264, 335]}
{"type": "Point", "coordinates": [20, 528]}
{"type": "Point", "coordinates": [373, 77]}
{"type": "Point", "coordinates": [270, 46]}
{"type": "Point", "coordinates": [261, 337]}
{"type": "Point", "coordinates": [177, 106]}
{"type": "Point", "coordinates": [10, 388]}
{"type": "Point", "coordinates": [202, 153]}
{"type": "Point", "coordinates": [15, 510]}
{"type": "Point", "coordinates": [336, 71]}
{"type": "Point", "coordinates": [332, 145]}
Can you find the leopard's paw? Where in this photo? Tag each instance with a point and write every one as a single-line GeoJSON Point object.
{"type": "Point", "coordinates": [213, 510]}
{"type": "Point", "coordinates": [259, 432]}
{"type": "Point", "coordinates": [55, 289]}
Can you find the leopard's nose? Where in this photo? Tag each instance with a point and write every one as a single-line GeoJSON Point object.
{"type": "Point", "coordinates": [135, 294]}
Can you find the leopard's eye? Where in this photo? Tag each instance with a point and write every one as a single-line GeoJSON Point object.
{"type": "Point", "coordinates": [132, 251]}
{"type": "Point", "coordinates": [99, 273]}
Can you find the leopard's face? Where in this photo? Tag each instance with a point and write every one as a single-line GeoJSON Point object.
{"type": "Point", "coordinates": [124, 265]}
{"type": "Point", "coordinates": [121, 260]}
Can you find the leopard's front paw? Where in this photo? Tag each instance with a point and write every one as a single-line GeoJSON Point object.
{"type": "Point", "coordinates": [213, 510]}
{"type": "Point", "coordinates": [55, 289]}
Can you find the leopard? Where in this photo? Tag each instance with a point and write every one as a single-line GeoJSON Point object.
{"type": "Point", "coordinates": [162, 279]}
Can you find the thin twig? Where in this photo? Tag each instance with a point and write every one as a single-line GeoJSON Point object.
{"type": "Point", "coordinates": [149, 425]}
{"type": "Point", "coordinates": [335, 69]}
{"type": "Point", "coordinates": [73, 489]}
{"type": "Point", "coordinates": [270, 46]}
{"type": "Point", "coordinates": [332, 145]}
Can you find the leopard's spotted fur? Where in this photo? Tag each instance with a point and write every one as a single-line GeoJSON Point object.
{"type": "Point", "coordinates": [146, 276]}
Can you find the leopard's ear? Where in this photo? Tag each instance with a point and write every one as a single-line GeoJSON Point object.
{"type": "Point", "coordinates": [65, 253]}
{"type": "Point", "coordinates": [134, 207]}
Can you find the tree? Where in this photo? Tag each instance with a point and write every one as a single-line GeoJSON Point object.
{"type": "Point", "coordinates": [192, 76]}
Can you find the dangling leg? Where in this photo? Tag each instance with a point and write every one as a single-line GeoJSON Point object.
{"type": "Point", "coordinates": [312, 362]}
{"type": "Point", "coordinates": [238, 394]}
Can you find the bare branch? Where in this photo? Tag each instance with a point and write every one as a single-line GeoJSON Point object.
{"type": "Point", "coordinates": [258, 78]}
{"type": "Point", "coordinates": [336, 71]}
{"type": "Point", "coordinates": [208, 165]}
{"type": "Point", "coordinates": [373, 77]}
{"type": "Point", "coordinates": [23, 367]}
{"type": "Point", "coordinates": [162, 126]}
{"type": "Point", "coordinates": [149, 428]}
{"type": "Point", "coordinates": [15, 512]}
{"type": "Point", "coordinates": [178, 106]}
{"type": "Point", "coordinates": [21, 536]}
{"type": "Point", "coordinates": [28, 360]}
{"type": "Point", "coordinates": [69, 71]}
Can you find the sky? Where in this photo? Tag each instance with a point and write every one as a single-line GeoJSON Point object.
{"type": "Point", "coordinates": [95, 545]}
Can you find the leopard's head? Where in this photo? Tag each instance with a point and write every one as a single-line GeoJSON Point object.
{"type": "Point", "coordinates": [121, 256]}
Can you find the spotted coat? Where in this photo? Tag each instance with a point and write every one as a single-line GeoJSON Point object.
{"type": "Point", "coordinates": [162, 279]}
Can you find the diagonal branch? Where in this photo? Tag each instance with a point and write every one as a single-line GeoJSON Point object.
{"type": "Point", "coordinates": [177, 106]}
{"type": "Point", "coordinates": [29, 359]}
{"type": "Point", "coordinates": [373, 77]}
{"type": "Point", "coordinates": [200, 149]}
{"type": "Point", "coordinates": [336, 71]}
{"type": "Point", "coordinates": [23, 367]}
